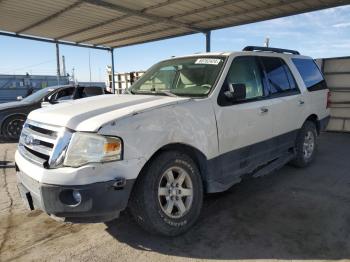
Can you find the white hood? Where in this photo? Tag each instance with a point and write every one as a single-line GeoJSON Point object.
{"type": "Point", "coordinates": [89, 114]}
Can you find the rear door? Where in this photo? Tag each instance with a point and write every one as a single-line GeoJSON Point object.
{"type": "Point", "coordinates": [287, 101]}
{"type": "Point", "coordinates": [244, 127]}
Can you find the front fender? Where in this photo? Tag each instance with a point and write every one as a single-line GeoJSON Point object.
{"type": "Point", "coordinates": [192, 123]}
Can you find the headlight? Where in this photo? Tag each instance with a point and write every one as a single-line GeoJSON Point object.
{"type": "Point", "coordinates": [91, 148]}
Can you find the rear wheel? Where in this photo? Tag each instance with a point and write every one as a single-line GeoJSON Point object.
{"type": "Point", "coordinates": [12, 127]}
{"type": "Point", "coordinates": [306, 145]}
{"type": "Point", "coordinates": [168, 196]}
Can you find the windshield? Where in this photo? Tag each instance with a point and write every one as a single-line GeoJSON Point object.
{"type": "Point", "coordinates": [193, 76]}
{"type": "Point", "coordinates": [38, 95]}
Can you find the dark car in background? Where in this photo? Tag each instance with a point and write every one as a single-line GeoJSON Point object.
{"type": "Point", "coordinates": [14, 114]}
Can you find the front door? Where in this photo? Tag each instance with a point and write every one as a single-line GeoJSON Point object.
{"type": "Point", "coordinates": [244, 128]}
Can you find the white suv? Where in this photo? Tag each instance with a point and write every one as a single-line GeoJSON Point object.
{"type": "Point", "coordinates": [191, 125]}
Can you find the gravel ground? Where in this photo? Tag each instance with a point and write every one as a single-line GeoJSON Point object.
{"type": "Point", "coordinates": [292, 214]}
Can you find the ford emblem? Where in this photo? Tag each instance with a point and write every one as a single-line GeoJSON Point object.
{"type": "Point", "coordinates": [29, 140]}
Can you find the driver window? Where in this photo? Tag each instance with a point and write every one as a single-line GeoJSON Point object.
{"type": "Point", "coordinates": [245, 70]}
{"type": "Point", "coordinates": [64, 94]}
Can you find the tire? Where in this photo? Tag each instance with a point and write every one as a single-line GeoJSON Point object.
{"type": "Point", "coordinates": [12, 127]}
{"type": "Point", "coordinates": [151, 202]}
{"type": "Point", "coordinates": [305, 145]}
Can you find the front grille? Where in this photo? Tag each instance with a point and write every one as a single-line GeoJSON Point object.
{"type": "Point", "coordinates": [39, 142]}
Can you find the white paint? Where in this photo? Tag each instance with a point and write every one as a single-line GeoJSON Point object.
{"type": "Point", "coordinates": [147, 123]}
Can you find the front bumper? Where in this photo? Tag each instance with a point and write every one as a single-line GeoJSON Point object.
{"type": "Point", "coordinates": [100, 202]}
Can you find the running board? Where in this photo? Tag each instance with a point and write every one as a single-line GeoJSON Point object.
{"type": "Point", "coordinates": [273, 165]}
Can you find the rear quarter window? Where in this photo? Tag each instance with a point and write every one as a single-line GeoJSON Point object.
{"type": "Point", "coordinates": [310, 73]}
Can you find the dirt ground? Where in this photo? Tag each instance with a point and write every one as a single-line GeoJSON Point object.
{"type": "Point", "coordinates": [292, 214]}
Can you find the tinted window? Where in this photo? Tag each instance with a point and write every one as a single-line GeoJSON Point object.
{"type": "Point", "coordinates": [92, 91]}
{"type": "Point", "coordinates": [64, 94]}
{"type": "Point", "coordinates": [279, 77]}
{"type": "Point", "coordinates": [310, 74]}
{"type": "Point", "coordinates": [245, 70]}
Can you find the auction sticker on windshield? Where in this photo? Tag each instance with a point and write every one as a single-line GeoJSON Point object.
{"type": "Point", "coordinates": [208, 61]}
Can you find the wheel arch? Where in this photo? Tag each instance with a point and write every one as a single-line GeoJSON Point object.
{"type": "Point", "coordinates": [314, 118]}
{"type": "Point", "coordinates": [195, 154]}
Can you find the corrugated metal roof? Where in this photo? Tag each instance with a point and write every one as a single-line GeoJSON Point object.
{"type": "Point", "coordinates": [116, 23]}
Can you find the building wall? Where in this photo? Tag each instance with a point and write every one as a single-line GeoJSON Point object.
{"type": "Point", "coordinates": [122, 80]}
{"type": "Point", "coordinates": [337, 74]}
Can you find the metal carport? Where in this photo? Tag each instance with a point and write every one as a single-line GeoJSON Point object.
{"type": "Point", "coordinates": [109, 24]}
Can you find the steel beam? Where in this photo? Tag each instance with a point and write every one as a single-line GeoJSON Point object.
{"type": "Point", "coordinates": [117, 19]}
{"type": "Point", "coordinates": [139, 35]}
{"type": "Point", "coordinates": [154, 40]}
{"type": "Point", "coordinates": [93, 27]}
{"type": "Point", "coordinates": [51, 17]}
{"type": "Point", "coordinates": [119, 31]}
{"type": "Point", "coordinates": [250, 11]}
{"type": "Point", "coordinates": [207, 41]}
{"type": "Point", "coordinates": [142, 14]}
{"type": "Point", "coordinates": [53, 41]}
{"type": "Point", "coordinates": [207, 8]}
{"type": "Point", "coordinates": [152, 23]}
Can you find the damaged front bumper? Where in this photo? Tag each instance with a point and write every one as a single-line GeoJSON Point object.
{"type": "Point", "coordinates": [96, 202]}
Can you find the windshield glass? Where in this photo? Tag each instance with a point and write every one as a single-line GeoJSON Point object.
{"type": "Point", "coordinates": [38, 95]}
{"type": "Point", "coordinates": [194, 76]}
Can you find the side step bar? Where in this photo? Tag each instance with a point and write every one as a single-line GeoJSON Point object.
{"type": "Point", "coordinates": [273, 165]}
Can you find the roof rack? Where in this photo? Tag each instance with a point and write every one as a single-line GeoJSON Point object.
{"type": "Point", "coordinates": [270, 49]}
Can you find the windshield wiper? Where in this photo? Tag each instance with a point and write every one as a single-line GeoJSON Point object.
{"type": "Point", "coordinates": [166, 92]}
{"type": "Point", "coordinates": [155, 92]}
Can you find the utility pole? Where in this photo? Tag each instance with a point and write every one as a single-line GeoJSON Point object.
{"type": "Point", "coordinates": [73, 75]}
{"type": "Point", "coordinates": [64, 65]}
{"type": "Point", "coordinates": [267, 41]}
{"type": "Point", "coordinates": [89, 66]}
{"type": "Point", "coordinates": [58, 64]}
{"type": "Point", "coordinates": [112, 72]}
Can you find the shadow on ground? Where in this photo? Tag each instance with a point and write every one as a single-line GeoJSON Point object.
{"type": "Point", "coordinates": [7, 141]}
{"type": "Point", "coordinates": [291, 214]}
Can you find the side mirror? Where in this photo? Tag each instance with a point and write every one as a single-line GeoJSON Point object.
{"type": "Point", "coordinates": [236, 92]}
{"type": "Point", "coordinates": [45, 104]}
{"type": "Point", "coordinates": [19, 98]}
{"type": "Point", "coordinates": [51, 100]}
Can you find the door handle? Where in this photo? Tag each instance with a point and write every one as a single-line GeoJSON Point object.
{"type": "Point", "coordinates": [301, 102]}
{"type": "Point", "coordinates": [264, 110]}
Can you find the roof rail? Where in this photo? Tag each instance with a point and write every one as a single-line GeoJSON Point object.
{"type": "Point", "coordinates": [270, 49]}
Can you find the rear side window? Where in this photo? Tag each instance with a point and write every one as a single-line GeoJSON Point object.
{"type": "Point", "coordinates": [92, 91]}
{"type": "Point", "coordinates": [310, 74]}
{"type": "Point", "coordinates": [279, 79]}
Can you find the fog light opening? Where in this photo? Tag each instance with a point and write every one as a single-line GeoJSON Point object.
{"type": "Point", "coordinates": [76, 196]}
{"type": "Point", "coordinates": [70, 197]}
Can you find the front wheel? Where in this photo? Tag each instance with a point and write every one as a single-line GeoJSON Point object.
{"type": "Point", "coordinates": [168, 196]}
{"type": "Point", "coordinates": [306, 144]}
{"type": "Point", "coordinates": [12, 127]}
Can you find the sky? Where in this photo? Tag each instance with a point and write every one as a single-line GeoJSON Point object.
{"type": "Point", "coordinates": [319, 34]}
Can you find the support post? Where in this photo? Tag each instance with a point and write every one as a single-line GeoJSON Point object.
{"type": "Point", "coordinates": [112, 78]}
{"type": "Point", "coordinates": [58, 64]}
{"type": "Point", "coordinates": [207, 41]}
